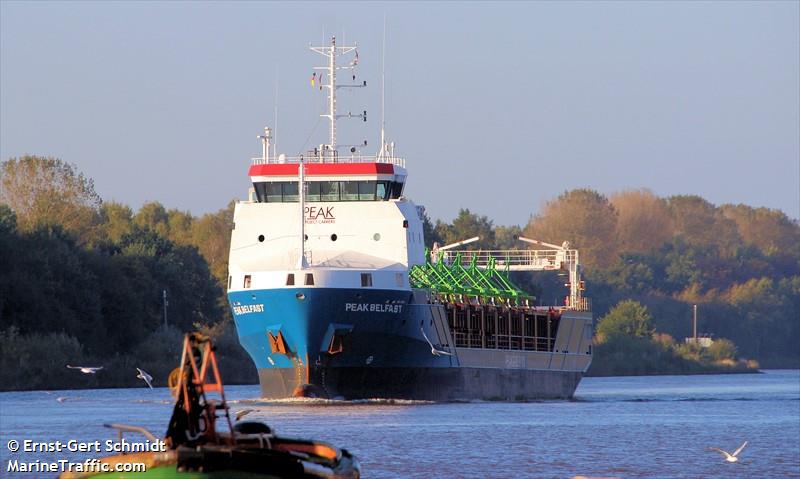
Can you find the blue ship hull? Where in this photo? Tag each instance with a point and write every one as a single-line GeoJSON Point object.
{"type": "Point", "coordinates": [359, 343]}
{"type": "Point", "coordinates": [375, 329]}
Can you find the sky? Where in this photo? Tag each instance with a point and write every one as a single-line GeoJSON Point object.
{"type": "Point", "coordinates": [496, 107]}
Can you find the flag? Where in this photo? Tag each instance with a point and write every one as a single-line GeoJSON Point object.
{"type": "Point", "coordinates": [355, 60]}
{"type": "Point", "coordinates": [313, 79]}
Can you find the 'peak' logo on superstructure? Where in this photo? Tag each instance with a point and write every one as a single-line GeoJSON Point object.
{"type": "Point", "coordinates": [319, 214]}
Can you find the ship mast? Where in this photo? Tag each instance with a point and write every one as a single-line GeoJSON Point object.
{"type": "Point", "coordinates": [331, 52]}
{"type": "Point", "coordinates": [302, 262]}
{"type": "Point", "coordinates": [382, 151]}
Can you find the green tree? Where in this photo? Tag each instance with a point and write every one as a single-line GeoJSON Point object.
{"type": "Point", "coordinates": [770, 230]}
{"type": "Point", "coordinates": [38, 360]}
{"type": "Point", "coordinates": [467, 225]}
{"type": "Point", "coordinates": [211, 233]}
{"type": "Point", "coordinates": [699, 223]}
{"type": "Point", "coordinates": [631, 274]}
{"type": "Point", "coordinates": [430, 233]}
{"type": "Point", "coordinates": [180, 225]}
{"type": "Point", "coordinates": [583, 217]}
{"type": "Point", "coordinates": [117, 220]}
{"type": "Point", "coordinates": [506, 237]}
{"type": "Point", "coordinates": [643, 221]}
{"type": "Point", "coordinates": [759, 307]}
{"type": "Point", "coordinates": [153, 216]}
{"type": "Point", "coordinates": [8, 220]}
{"type": "Point", "coordinates": [8, 247]}
{"type": "Point", "coordinates": [629, 318]}
{"type": "Point", "coordinates": [722, 349]}
{"type": "Point", "coordinates": [49, 191]}
{"type": "Point", "coordinates": [181, 270]}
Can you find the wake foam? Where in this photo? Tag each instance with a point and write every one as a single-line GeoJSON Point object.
{"type": "Point", "coordinates": [304, 401]}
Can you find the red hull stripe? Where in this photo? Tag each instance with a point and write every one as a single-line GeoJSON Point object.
{"type": "Point", "coordinates": [322, 169]}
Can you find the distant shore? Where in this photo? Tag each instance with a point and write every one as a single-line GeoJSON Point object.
{"type": "Point", "coordinates": [598, 369]}
{"type": "Point", "coordinates": [589, 374]}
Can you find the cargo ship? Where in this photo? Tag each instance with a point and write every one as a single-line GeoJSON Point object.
{"type": "Point", "coordinates": [334, 293]}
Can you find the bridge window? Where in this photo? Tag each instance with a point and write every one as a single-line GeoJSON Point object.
{"type": "Point", "coordinates": [316, 191]}
{"type": "Point", "coordinates": [313, 190]}
{"type": "Point", "coordinates": [247, 281]}
{"type": "Point", "coordinates": [260, 191]}
{"type": "Point", "coordinates": [289, 192]}
{"type": "Point", "coordinates": [366, 191]}
{"type": "Point", "coordinates": [397, 189]}
{"type": "Point", "coordinates": [382, 192]}
{"type": "Point", "coordinates": [309, 279]}
{"type": "Point", "coordinates": [366, 279]}
{"type": "Point", "coordinates": [348, 190]}
{"type": "Point", "coordinates": [274, 193]}
{"type": "Point", "coordinates": [329, 190]}
{"type": "Point", "coordinates": [290, 279]}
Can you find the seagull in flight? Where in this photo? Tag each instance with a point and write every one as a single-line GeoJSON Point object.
{"type": "Point", "coordinates": [86, 369]}
{"type": "Point", "coordinates": [434, 351]}
{"type": "Point", "coordinates": [145, 377]}
{"type": "Point", "coordinates": [243, 413]}
{"type": "Point", "coordinates": [730, 457]}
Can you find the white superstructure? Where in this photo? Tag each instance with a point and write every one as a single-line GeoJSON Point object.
{"type": "Point", "coordinates": [355, 221]}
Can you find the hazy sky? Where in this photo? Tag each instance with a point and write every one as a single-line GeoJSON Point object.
{"type": "Point", "coordinates": [497, 107]}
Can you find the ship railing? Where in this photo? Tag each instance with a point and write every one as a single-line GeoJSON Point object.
{"type": "Point", "coordinates": [514, 342]}
{"type": "Point", "coordinates": [583, 304]}
{"type": "Point", "coordinates": [515, 260]}
{"type": "Point", "coordinates": [311, 157]}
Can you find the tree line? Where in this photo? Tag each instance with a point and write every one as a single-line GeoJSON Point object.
{"type": "Point", "coordinates": [82, 280]}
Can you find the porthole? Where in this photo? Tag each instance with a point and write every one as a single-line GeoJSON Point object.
{"type": "Point", "coordinates": [376, 237]}
{"type": "Point", "coordinates": [334, 237]}
{"type": "Point", "coordinates": [260, 238]}
{"type": "Point", "coordinates": [300, 296]}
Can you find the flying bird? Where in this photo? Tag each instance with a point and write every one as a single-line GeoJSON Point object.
{"type": "Point", "coordinates": [145, 377]}
{"type": "Point", "coordinates": [86, 369]}
{"type": "Point", "coordinates": [242, 413]}
{"type": "Point", "coordinates": [434, 351]}
{"type": "Point", "coordinates": [730, 457]}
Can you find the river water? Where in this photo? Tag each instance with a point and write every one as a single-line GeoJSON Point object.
{"type": "Point", "coordinates": [631, 427]}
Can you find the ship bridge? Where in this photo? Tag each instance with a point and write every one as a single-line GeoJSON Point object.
{"type": "Point", "coordinates": [360, 178]}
